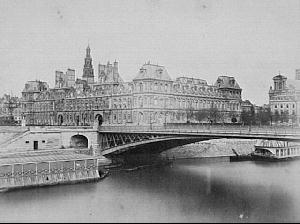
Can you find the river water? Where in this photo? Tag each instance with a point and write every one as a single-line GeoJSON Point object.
{"type": "Point", "coordinates": [193, 190]}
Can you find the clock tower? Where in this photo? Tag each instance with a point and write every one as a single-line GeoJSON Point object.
{"type": "Point", "coordinates": [88, 71]}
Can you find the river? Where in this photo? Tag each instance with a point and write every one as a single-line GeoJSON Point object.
{"type": "Point", "coordinates": [192, 190]}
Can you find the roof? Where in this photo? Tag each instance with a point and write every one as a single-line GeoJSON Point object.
{"type": "Point", "coordinates": [150, 71]}
{"type": "Point", "coordinates": [38, 157]}
{"type": "Point", "coordinates": [246, 102]}
{"type": "Point", "coordinates": [227, 82]}
{"type": "Point", "coordinates": [279, 77]}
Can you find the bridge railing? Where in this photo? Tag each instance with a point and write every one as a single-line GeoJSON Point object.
{"type": "Point", "coordinates": [267, 130]}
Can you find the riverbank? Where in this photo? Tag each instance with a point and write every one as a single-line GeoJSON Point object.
{"type": "Point", "coordinates": [211, 149]}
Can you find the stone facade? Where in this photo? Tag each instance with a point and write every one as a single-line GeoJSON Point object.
{"type": "Point", "coordinates": [10, 110]}
{"type": "Point", "coordinates": [152, 98]}
{"type": "Point", "coordinates": [284, 97]}
{"type": "Point", "coordinates": [247, 106]}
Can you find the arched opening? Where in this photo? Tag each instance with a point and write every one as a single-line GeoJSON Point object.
{"type": "Point", "coordinates": [99, 119]}
{"type": "Point", "coordinates": [79, 141]}
{"type": "Point", "coordinates": [60, 119]}
{"type": "Point", "coordinates": [77, 120]}
{"type": "Point", "coordinates": [233, 120]}
{"type": "Point", "coordinates": [140, 118]}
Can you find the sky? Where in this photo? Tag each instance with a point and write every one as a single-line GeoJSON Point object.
{"type": "Point", "coordinates": [252, 40]}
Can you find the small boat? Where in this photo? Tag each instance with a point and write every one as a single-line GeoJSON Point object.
{"type": "Point", "coordinates": [276, 150]}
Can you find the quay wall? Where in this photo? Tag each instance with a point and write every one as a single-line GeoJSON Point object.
{"type": "Point", "coordinates": [44, 141]}
{"type": "Point", "coordinates": [211, 148]}
{"type": "Point", "coordinates": [36, 138]}
{"type": "Point", "coordinates": [10, 132]}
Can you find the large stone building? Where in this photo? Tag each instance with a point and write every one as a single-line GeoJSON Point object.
{"type": "Point", "coordinates": [152, 98]}
{"type": "Point", "coordinates": [284, 97]}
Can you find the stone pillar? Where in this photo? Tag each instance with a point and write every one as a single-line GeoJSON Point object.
{"type": "Point", "coordinates": [23, 122]}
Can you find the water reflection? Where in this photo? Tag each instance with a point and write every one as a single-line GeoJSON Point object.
{"type": "Point", "coordinates": [186, 191]}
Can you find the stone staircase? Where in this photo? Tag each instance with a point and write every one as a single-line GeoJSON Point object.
{"type": "Point", "coordinates": [14, 137]}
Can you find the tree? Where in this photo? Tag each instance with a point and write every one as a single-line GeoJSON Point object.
{"type": "Point", "coordinates": [284, 117]}
{"type": "Point", "coordinates": [246, 117]}
{"type": "Point", "coordinates": [213, 114]}
{"type": "Point", "coordinates": [276, 116]}
{"type": "Point", "coordinates": [293, 118]}
{"type": "Point", "coordinates": [263, 116]}
{"type": "Point", "coordinates": [233, 116]}
{"type": "Point", "coordinates": [189, 114]}
{"type": "Point", "coordinates": [201, 115]}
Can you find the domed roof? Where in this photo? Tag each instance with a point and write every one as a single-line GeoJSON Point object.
{"type": "Point", "coordinates": [150, 71]}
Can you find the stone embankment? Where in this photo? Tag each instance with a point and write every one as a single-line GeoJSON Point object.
{"type": "Point", "coordinates": [211, 148]}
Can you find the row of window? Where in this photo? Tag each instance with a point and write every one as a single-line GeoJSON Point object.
{"type": "Point", "coordinates": [287, 152]}
{"type": "Point", "coordinates": [27, 142]}
{"type": "Point", "coordinates": [284, 106]}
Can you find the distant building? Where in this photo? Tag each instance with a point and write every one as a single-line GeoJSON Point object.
{"type": "Point", "coordinates": [297, 76]}
{"type": "Point", "coordinates": [30, 95]}
{"type": "Point", "coordinates": [151, 98]}
{"type": "Point", "coordinates": [284, 97]}
{"type": "Point", "coordinates": [63, 80]}
{"type": "Point", "coordinates": [247, 106]}
{"type": "Point", "coordinates": [10, 110]}
{"type": "Point", "coordinates": [109, 73]}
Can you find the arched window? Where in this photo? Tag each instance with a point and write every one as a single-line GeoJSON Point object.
{"type": "Point", "coordinates": [141, 87]}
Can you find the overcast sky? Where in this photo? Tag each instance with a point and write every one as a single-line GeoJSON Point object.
{"type": "Point", "coordinates": [250, 40]}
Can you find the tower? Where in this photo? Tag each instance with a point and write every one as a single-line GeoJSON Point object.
{"type": "Point", "coordinates": [88, 71]}
{"type": "Point", "coordinates": [279, 82]}
{"type": "Point", "coordinates": [297, 77]}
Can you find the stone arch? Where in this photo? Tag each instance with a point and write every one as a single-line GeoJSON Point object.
{"type": "Point", "coordinates": [79, 141]}
{"type": "Point", "coordinates": [99, 119]}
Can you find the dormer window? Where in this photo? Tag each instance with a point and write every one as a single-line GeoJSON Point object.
{"type": "Point", "coordinates": [160, 71]}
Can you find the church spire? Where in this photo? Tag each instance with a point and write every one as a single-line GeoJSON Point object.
{"type": "Point", "coordinates": [88, 51]}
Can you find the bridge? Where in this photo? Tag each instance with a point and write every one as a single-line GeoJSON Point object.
{"type": "Point", "coordinates": [118, 141]}
{"type": "Point", "coordinates": [115, 141]}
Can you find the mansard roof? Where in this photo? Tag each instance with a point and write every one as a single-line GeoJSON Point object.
{"type": "Point", "coordinates": [227, 82]}
{"type": "Point", "coordinates": [35, 86]}
{"type": "Point", "coordinates": [150, 71]}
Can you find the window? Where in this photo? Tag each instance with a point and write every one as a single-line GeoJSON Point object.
{"type": "Point", "coordinates": [27, 142]}
{"type": "Point", "coordinates": [43, 141]}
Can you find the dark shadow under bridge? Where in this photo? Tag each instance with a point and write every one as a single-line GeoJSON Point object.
{"type": "Point", "coordinates": [128, 140]}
